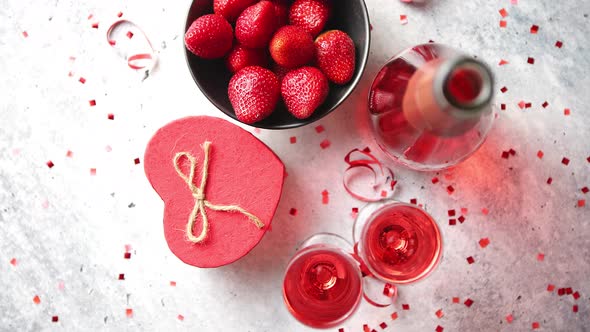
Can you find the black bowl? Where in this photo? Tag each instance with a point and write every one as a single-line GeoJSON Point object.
{"type": "Point", "coordinates": [212, 76]}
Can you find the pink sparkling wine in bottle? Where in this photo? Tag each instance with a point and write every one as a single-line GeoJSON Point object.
{"type": "Point", "coordinates": [430, 107]}
{"type": "Point", "coordinates": [322, 285]}
{"type": "Point", "coordinates": [398, 242]}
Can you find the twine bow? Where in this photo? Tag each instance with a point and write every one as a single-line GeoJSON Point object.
{"type": "Point", "coordinates": [199, 194]}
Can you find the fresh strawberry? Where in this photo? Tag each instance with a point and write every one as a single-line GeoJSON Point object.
{"type": "Point", "coordinates": [304, 90]}
{"type": "Point", "coordinates": [256, 25]}
{"type": "Point", "coordinates": [336, 56]}
{"type": "Point", "coordinates": [311, 15]}
{"type": "Point", "coordinates": [209, 37]}
{"type": "Point", "coordinates": [254, 93]}
{"type": "Point", "coordinates": [281, 12]}
{"type": "Point", "coordinates": [231, 9]}
{"type": "Point", "coordinates": [292, 47]}
{"type": "Point", "coordinates": [240, 57]}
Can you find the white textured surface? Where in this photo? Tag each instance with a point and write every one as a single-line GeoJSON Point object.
{"type": "Point", "coordinates": [79, 238]}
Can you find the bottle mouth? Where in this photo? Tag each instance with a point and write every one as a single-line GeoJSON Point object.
{"type": "Point", "coordinates": [467, 84]}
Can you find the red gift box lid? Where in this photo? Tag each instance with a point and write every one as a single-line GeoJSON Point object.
{"type": "Point", "coordinates": [242, 173]}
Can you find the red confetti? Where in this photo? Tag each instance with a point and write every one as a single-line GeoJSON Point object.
{"type": "Point", "coordinates": [581, 202]}
{"type": "Point", "coordinates": [319, 129]}
{"type": "Point", "coordinates": [484, 242]}
{"type": "Point", "coordinates": [503, 107]}
{"type": "Point", "coordinates": [588, 159]}
{"type": "Point", "coordinates": [403, 19]}
{"type": "Point", "coordinates": [434, 180]}
{"type": "Point", "coordinates": [569, 291]}
{"type": "Point", "coordinates": [561, 292]}
{"type": "Point", "coordinates": [485, 211]}
{"type": "Point", "coordinates": [456, 300]}
{"type": "Point", "coordinates": [108, 148]}
{"type": "Point", "coordinates": [439, 328]}
{"type": "Point", "coordinates": [366, 328]}
{"type": "Point", "coordinates": [540, 257]}
{"type": "Point", "coordinates": [70, 74]}
{"type": "Point", "coordinates": [450, 190]}
{"type": "Point", "coordinates": [540, 154]}
{"type": "Point", "coordinates": [127, 255]}
{"type": "Point", "coordinates": [82, 80]}
{"type": "Point", "coordinates": [565, 161]}
{"type": "Point", "coordinates": [545, 104]}
{"type": "Point", "coordinates": [180, 317]}
{"type": "Point", "coordinates": [558, 44]}
{"type": "Point", "coordinates": [383, 325]}
{"type": "Point", "coordinates": [92, 102]}
{"type": "Point", "coordinates": [129, 313]}
{"type": "Point", "coordinates": [521, 104]}
{"type": "Point", "coordinates": [112, 42]}
{"type": "Point", "coordinates": [340, 330]}
{"type": "Point", "coordinates": [470, 260]}
{"type": "Point", "coordinates": [128, 248]}
{"type": "Point", "coordinates": [567, 112]}
{"type": "Point", "coordinates": [173, 283]}
{"type": "Point", "coordinates": [549, 180]}
{"type": "Point", "coordinates": [451, 213]}
{"type": "Point", "coordinates": [121, 276]}
{"type": "Point", "coordinates": [119, 14]}
{"type": "Point", "coordinates": [536, 325]}
{"type": "Point", "coordinates": [405, 306]}
{"type": "Point", "coordinates": [389, 290]}
{"type": "Point", "coordinates": [413, 201]}
{"type": "Point", "coordinates": [575, 308]}
{"type": "Point", "coordinates": [461, 219]}
{"type": "Point", "coordinates": [452, 222]}
{"type": "Point", "coordinates": [512, 152]}
{"type": "Point", "coordinates": [503, 12]}
{"type": "Point", "coordinates": [585, 190]}
{"type": "Point", "coordinates": [95, 25]}
{"type": "Point", "coordinates": [50, 164]}
{"type": "Point", "coordinates": [325, 144]}
{"type": "Point", "coordinates": [293, 211]}
{"type": "Point", "coordinates": [325, 197]}
{"type": "Point", "coordinates": [504, 89]}
{"type": "Point", "coordinates": [576, 295]}
{"type": "Point", "coordinates": [293, 139]}
{"type": "Point", "coordinates": [503, 24]}
{"type": "Point", "coordinates": [528, 105]}
{"type": "Point", "coordinates": [111, 116]}
{"type": "Point", "coordinates": [36, 299]}
{"type": "Point", "coordinates": [69, 154]}
{"type": "Point", "coordinates": [55, 319]}
{"type": "Point", "coordinates": [530, 60]}
{"type": "Point", "coordinates": [464, 210]}
{"type": "Point", "coordinates": [13, 262]}
{"type": "Point", "coordinates": [25, 34]}
{"type": "Point", "coordinates": [394, 316]}
{"type": "Point", "coordinates": [509, 318]}
{"type": "Point", "coordinates": [93, 171]}
{"type": "Point", "coordinates": [550, 288]}
{"type": "Point", "coordinates": [503, 62]}
{"type": "Point", "coordinates": [468, 302]}
{"type": "Point", "coordinates": [439, 313]}
{"type": "Point", "coordinates": [129, 34]}
{"type": "Point", "coordinates": [534, 29]}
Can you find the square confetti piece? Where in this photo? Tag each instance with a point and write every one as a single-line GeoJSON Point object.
{"type": "Point", "coordinates": [567, 112]}
{"type": "Point", "coordinates": [173, 283]}
{"type": "Point", "coordinates": [505, 154]}
{"type": "Point", "coordinates": [405, 306]}
{"type": "Point", "coordinates": [340, 330]}
{"type": "Point", "coordinates": [403, 19]}
{"type": "Point", "coordinates": [509, 318]}
{"type": "Point", "coordinates": [484, 242]}
{"type": "Point", "coordinates": [569, 291]}
{"type": "Point", "coordinates": [127, 255]}
{"type": "Point", "coordinates": [129, 34]}
{"type": "Point", "coordinates": [450, 190]}
{"type": "Point", "coordinates": [585, 190]}
{"type": "Point", "coordinates": [549, 180]}
{"type": "Point", "coordinates": [293, 139]}
{"type": "Point", "coordinates": [540, 154]}
{"type": "Point", "coordinates": [434, 180]}
{"type": "Point", "coordinates": [575, 308]}
{"type": "Point", "coordinates": [521, 104]}
{"type": "Point", "coordinates": [383, 325]}
{"type": "Point", "coordinates": [412, 201]}
{"type": "Point", "coordinates": [394, 316]}
{"type": "Point", "coordinates": [36, 299]}
{"type": "Point", "coordinates": [468, 303]}
{"type": "Point", "coordinates": [121, 276]}
{"type": "Point", "coordinates": [540, 257]}
{"type": "Point", "coordinates": [530, 60]}
{"type": "Point", "coordinates": [550, 288]}
{"type": "Point", "coordinates": [50, 164]}
{"type": "Point", "coordinates": [325, 144]}
{"type": "Point", "coordinates": [82, 80]}
{"type": "Point", "coordinates": [503, 62]}
{"type": "Point", "coordinates": [503, 12]}
{"type": "Point", "coordinates": [439, 313]}
{"type": "Point", "coordinates": [293, 211]}
{"type": "Point", "coordinates": [13, 262]}
{"type": "Point", "coordinates": [111, 116]}
{"type": "Point", "coordinates": [92, 102]}
{"type": "Point", "coordinates": [503, 24]}
{"type": "Point", "coordinates": [464, 210]}
{"type": "Point", "coordinates": [545, 104]}
{"type": "Point", "coordinates": [93, 171]}
{"type": "Point", "coordinates": [470, 260]}
{"type": "Point", "coordinates": [558, 44]}
{"type": "Point", "coordinates": [534, 29]}
{"type": "Point", "coordinates": [561, 292]}
{"type": "Point", "coordinates": [504, 89]}
{"type": "Point", "coordinates": [503, 107]}
{"type": "Point", "coordinates": [456, 300]}
{"type": "Point", "coordinates": [576, 295]}
{"type": "Point", "coordinates": [119, 14]}
{"type": "Point", "coordinates": [452, 222]}
{"type": "Point", "coordinates": [581, 202]}
{"type": "Point", "coordinates": [129, 313]}
{"type": "Point", "coordinates": [95, 25]}
{"type": "Point", "coordinates": [451, 213]}
{"type": "Point", "coordinates": [319, 129]}
{"type": "Point", "coordinates": [69, 154]}
{"type": "Point", "coordinates": [439, 328]}
{"type": "Point", "coordinates": [536, 325]}
{"type": "Point", "coordinates": [25, 34]}
{"type": "Point", "coordinates": [485, 211]}
{"type": "Point", "coordinates": [565, 161]}
{"type": "Point", "coordinates": [55, 319]}
{"type": "Point", "coordinates": [180, 317]}
{"type": "Point", "coordinates": [461, 219]}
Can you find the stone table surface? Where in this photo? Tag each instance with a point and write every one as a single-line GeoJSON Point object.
{"type": "Point", "coordinates": [63, 231]}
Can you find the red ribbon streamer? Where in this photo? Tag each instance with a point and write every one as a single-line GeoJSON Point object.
{"type": "Point", "coordinates": [383, 177]}
{"type": "Point", "coordinates": [134, 61]}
